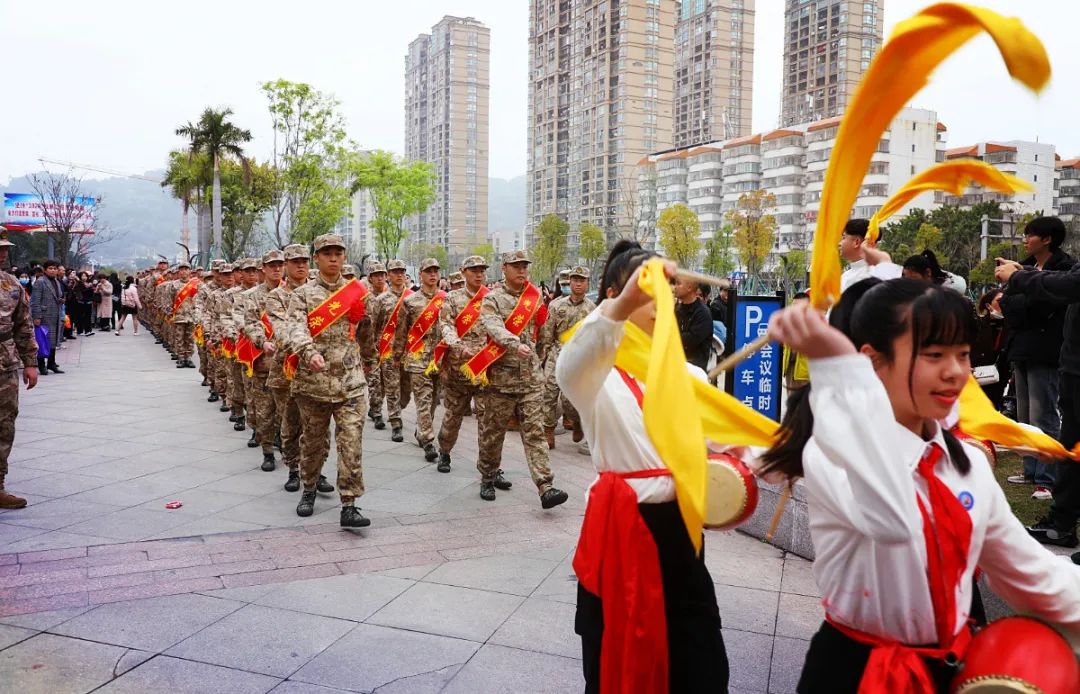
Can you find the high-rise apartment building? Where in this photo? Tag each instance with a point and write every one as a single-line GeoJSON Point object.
{"type": "Point", "coordinates": [446, 123]}
{"type": "Point", "coordinates": [1034, 162]}
{"type": "Point", "coordinates": [714, 70]}
{"type": "Point", "coordinates": [828, 45]}
{"type": "Point", "coordinates": [600, 98]}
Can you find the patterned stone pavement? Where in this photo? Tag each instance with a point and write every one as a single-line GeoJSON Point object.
{"type": "Point", "coordinates": [103, 589]}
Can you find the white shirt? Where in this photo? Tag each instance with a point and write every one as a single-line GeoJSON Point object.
{"type": "Point", "coordinates": [859, 270]}
{"type": "Point", "coordinates": [861, 483]}
{"type": "Point", "coordinates": [610, 416]}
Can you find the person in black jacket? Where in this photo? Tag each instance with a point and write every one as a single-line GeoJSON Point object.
{"type": "Point", "coordinates": [1059, 288]}
{"type": "Point", "coordinates": [695, 323]}
{"type": "Point", "coordinates": [1035, 327]}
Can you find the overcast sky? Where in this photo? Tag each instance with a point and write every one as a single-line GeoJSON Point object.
{"type": "Point", "coordinates": [107, 83]}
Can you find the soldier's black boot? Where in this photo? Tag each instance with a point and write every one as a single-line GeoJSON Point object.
{"type": "Point", "coordinates": [188, 364]}
{"type": "Point", "coordinates": [268, 463]}
{"type": "Point", "coordinates": [487, 491]}
{"type": "Point", "coordinates": [379, 423]}
{"type": "Point", "coordinates": [396, 435]}
{"type": "Point", "coordinates": [225, 408]}
{"type": "Point", "coordinates": [293, 483]}
{"type": "Point", "coordinates": [179, 363]}
{"type": "Point", "coordinates": [252, 443]}
{"type": "Point", "coordinates": [239, 426]}
{"type": "Point", "coordinates": [213, 397]}
{"type": "Point", "coordinates": [306, 507]}
{"type": "Point", "coordinates": [501, 482]}
{"type": "Point", "coordinates": [430, 454]}
{"type": "Point", "coordinates": [553, 497]}
{"type": "Point", "coordinates": [444, 462]}
{"type": "Point", "coordinates": [232, 417]}
{"type": "Point", "coordinates": [323, 486]}
{"type": "Point", "coordinates": [352, 518]}
{"type": "Point", "coordinates": [173, 357]}
{"type": "Point", "coordinates": [205, 382]}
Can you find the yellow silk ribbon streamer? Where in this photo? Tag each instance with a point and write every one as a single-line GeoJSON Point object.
{"type": "Point", "coordinates": [979, 419]}
{"type": "Point", "coordinates": [951, 176]}
{"type": "Point", "coordinates": [902, 67]}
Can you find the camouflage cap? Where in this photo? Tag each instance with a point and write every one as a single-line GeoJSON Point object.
{"type": "Point", "coordinates": [474, 261]}
{"type": "Point", "coordinates": [216, 264]}
{"type": "Point", "coordinates": [258, 264]}
{"type": "Point", "coordinates": [395, 264]}
{"type": "Point", "coordinates": [226, 268]}
{"type": "Point", "coordinates": [428, 263]}
{"type": "Point", "coordinates": [273, 256]}
{"type": "Point", "coordinates": [375, 268]}
{"type": "Point", "coordinates": [4, 240]}
{"type": "Point", "coordinates": [247, 264]}
{"type": "Point", "coordinates": [519, 256]}
{"type": "Point", "coordinates": [348, 270]}
{"type": "Point", "coordinates": [579, 271]}
{"type": "Point", "coordinates": [183, 263]}
{"type": "Point", "coordinates": [295, 251]}
{"type": "Point", "coordinates": [329, 241]}
{"type": "Point", "coordinates": [457, 278]}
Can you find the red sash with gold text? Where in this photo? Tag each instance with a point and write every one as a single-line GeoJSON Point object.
{"type": "Point", "coordinates": [414, 341]}
{"type": "Point", "coordinates": [386, 340]}
{"type": "Point", "coordinates": [469, 316]}
{"type": "Point", "coordinates": [185, 293]}
{"type": "Point", "coordinates": [529, 306]}
{"type": "Point", "coordinates": [347, 301]}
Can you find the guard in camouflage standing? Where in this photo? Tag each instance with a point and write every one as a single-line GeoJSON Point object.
{"type": "Point", "coordinates": [512, 316]}
{"type": "Point", "coordinates": [258, 358]}
{"type": "Point", "coordinates": [376, 282]}
{"type": "Point", "coordinates": [252, 278]}
{"type": "Point", "coordinates": [17, 348]}
{"type": "Point", "coordinates": [330, 336]}
{"type": "Point", "coordinates": [563, 314]}
{"type": "Point", "coordinates": [162, 305]}
{"type": "Point", "coordinates": [219, 345]}
{"type": "Point", "coordinates": [183, 316]}
{"type": "Point", "coordinates": [395, 379]}
{"type": "Point", "coordinates": [414, 344]}
{"type": "Point", "coordinates": [199, 332]}
{"type": "Point", "coordinates": [231, 324]}
{"type": "Point", "coordinates": [462, 338]}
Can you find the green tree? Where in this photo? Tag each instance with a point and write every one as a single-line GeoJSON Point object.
{"type": "Point", "coordinates": [189, 176]}
{"type": "Point", "coordinates": [591, 246]}
{"type": "Point", "coordinates": [549, 251]}
{"type": "Point", "coordinates": [485, 250]}
{"type": "Point", "coordinates": [398, 190]}
{"type": "Point", "coordinates": [219, 139]}
{"type": "Point", "coordinates": [246, 197]}
{"type": "Point", "coordinates": [793, 268]}
{"type": "Point", "coordinates": [983, 272]}
{"type": "Point", "coordinates": [679, 229]}
{"type": "Point", "coordinates": [718, 258]}
{"type": "Point", "coordinates": [416, 252]}
{"type": "Point", "coordinates": [312, 162]}
{"type": "Point", "coordinates": [753, 228]}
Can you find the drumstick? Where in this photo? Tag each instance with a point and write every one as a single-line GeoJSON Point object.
{"type": "Point", "coordinates": [741, 355]}
{"type": "Point", "coordinates": [784, 496]}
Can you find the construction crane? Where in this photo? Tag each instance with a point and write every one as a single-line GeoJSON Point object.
{"type": "Point", "coordinates": [99, 169]}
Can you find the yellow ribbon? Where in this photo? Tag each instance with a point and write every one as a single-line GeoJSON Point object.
{"type": "Point", "coordinates": [979, 419]}
{"type": "Point", "coordinates": [902, 67]}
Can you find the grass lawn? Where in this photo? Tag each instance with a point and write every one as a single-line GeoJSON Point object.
{"type": "Point", "coordinates": [1028, 510]}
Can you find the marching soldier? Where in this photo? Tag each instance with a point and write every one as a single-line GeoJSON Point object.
{"type": "Point", "coordinates": [512, 316]}
{"type": "Point", "coordinates": [257, 358]}
{"type": "Point", "coordinates": [249, 280]}
{"type": "Point", "coordinates": [229, 336]}
{"type": "Point", "coordinates": [329, 334]}
{"type": "Point", "coordinates": [395, 379]}
{"type": "Point", "coordinates": [414, 344]}
{"type": "Point", "coordinates": [563, 314]}
{"type": "Point", "coordinates": [200, 332]}
{"type": "Point", "coordinates": [183, 315]}
{"type": "Point", "coordinates": [376, 282]}
{"type": "Point", "coordinates": [457, 280]}
{"type": "Point", "coordinates": [220, 344]}
{"type": "Point", "coordinates": [17, 348]}
{"type": "Point", "coordinates": [462, 339]}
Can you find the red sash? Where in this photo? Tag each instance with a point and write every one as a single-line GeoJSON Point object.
{"type": "Point", "coordinates": [469, 316]}
{"type": "Point", "coordinates": [386, 340]}
{"type": "Point", "coordinates": [248, 354]}
{"type": "Point", "coordinates": [414, 341]}
{"type": "Point", "coordinates": [200, 336]}
{"type": "Point", "coordinates": [185, 293]}
{"type": "Point", "coordinates": [347, 301]}
{"type": "Point", "coordinates": [228, 348]}
{"type": "Point", "coordinates": [529, 306]}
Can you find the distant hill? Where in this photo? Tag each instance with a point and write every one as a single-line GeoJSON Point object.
{"type": "Point", "coordinates": [506, 203]}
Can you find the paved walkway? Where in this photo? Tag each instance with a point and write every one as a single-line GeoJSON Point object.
{"type": "Point", "coordinates": [103, 589]}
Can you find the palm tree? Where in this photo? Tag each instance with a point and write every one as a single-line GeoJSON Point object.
{"type": "Point", "coordinates": [183, 178]}
{"type": "Point", "coordinates": [215, 136]}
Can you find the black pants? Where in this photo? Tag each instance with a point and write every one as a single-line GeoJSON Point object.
{"type": "Point", "coordinates": [82, 318]}
{"type": "Point", "coordinates": [697, 660]}
{"type": "Point", "coordinates": [1065, 510]}
{"type": "Point", "coordinates": [48, 364]}
{"type": "Point", "coordinates": [835, 665]}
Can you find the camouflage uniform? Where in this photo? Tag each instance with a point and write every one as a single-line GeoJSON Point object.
{"type": "Point", "coordinates": [17, 348]}
{"type": "Point", "coordinates": [515, 386]}
{"type": "Point", "coordinates": [235, 386]}
{"type": "Point", "coordinates": [183, 322]}
{"type": "Point", "coordinates": [262, 398]}
{"type": "Point", "coordinates": [277, 304]}
{"type": "Point", "coordinates": [202, 297]}
{"type": "Point", "coordinates": [375, 384]}
{"type": "Point", "coordinates": [458, 390]}
{"type": "Point", "coordinates": [339, 391]}
{"type": "Point", "coordinates": [395, 379]}
{"type": "Point", "coordinates": [563, 314]}
{"type": "Point", "coordinates": [239, 309]}
{"type": "Point", "coordinates": [215, 308]}
{"type": "Point", "coordinates": [425, 388]}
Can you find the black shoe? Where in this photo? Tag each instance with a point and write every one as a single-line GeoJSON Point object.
{"type": "Point", "coordinates": [553, 497]}
{"type": "Point", "coordinates": [501, 482]}
{"type": "Point", "coordinates": [430, 454]}
{"type": "Point", "coordinates": [323, 486]}
{"type": "Point", "coordinates": [156, 342]}
{"type": "Point", "coordinates": [268, 463]}
{"type": "Point", "coordinates": [306, 507]}
{"type": "Point", "coordinates": [225, 408]}
{"type": "Point", "coordinates": [174, 357]}
{"type": "Point", "coordinates": [252, 443]}
{"type": "Point", "coordinates": [56, 369]}
{"type": "Point", "coordinates": [1076, 558]}
{"type": "Point", "coordinates": [396, 436]}
{"type": "Point", "coordinates": [444, 462]}
{"type": "Point", "coordinates": [179, 364]}
{"type": "Point", "coordinates": [1049, 534]}
{"type": "Point", "coordinates": [379, 423]}
{"type": "Point", "coordinates": [205, 383]}
{"type": "Point", "coordinates": [487, 491]}
{"type": "Point", "coordinates": [239, 426]}
{"type": "Point", "coordinates": [213, 397]}
{"type": "Point", "coordinates": [352, 518]}
{"type": "Point", "coordinates": [88, 334]}
{"type": "Point", "coordinates": [188, 364]}
{"type": "Point", "coordinates": [293, 483]}
{"type": "Point", "coordinates": [232, 417]}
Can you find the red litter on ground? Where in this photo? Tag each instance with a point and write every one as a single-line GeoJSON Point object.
{"type": "Point", "coordinates": [174, 504]}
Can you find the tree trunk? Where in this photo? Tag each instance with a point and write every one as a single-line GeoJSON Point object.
{"type": "Point", "coordinates": [200, 231]}
{"type": "Point", "coordinates": [216, 212]}
{"type": "Point", "coordinates": [185, 230]}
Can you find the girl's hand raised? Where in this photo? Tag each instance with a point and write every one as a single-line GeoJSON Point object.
{"type": "Point", "coordinates": [805, 330]}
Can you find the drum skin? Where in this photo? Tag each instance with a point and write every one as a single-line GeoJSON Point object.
{"type": "Point", "coordinates": [1018, 655]}
{"type": "Point", "coordinates": [731, 493]}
